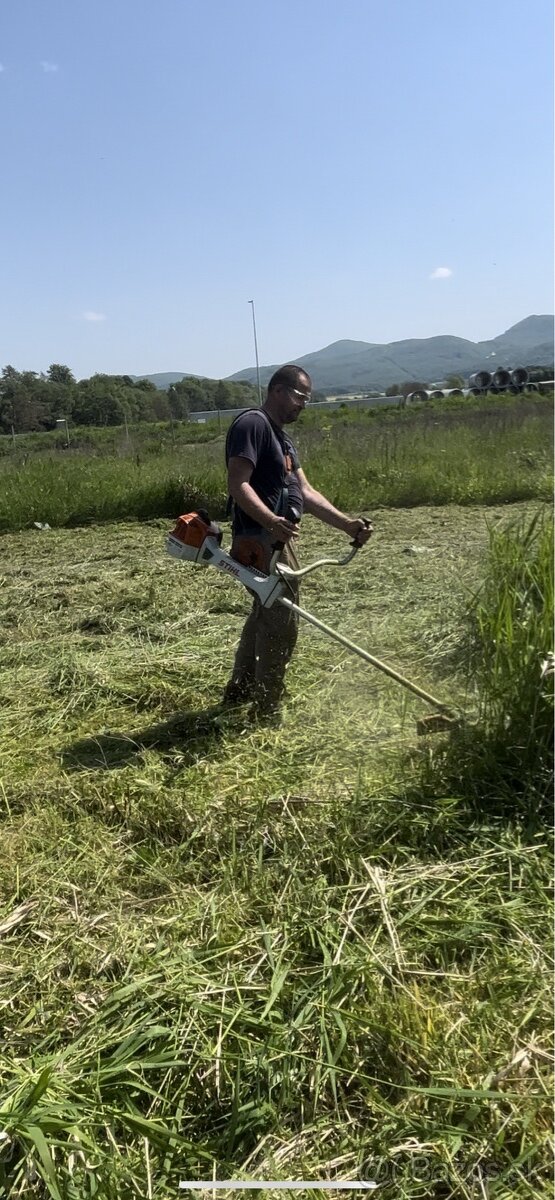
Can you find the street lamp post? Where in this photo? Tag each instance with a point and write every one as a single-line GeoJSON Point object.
{"type": "Point", "coordinates": [251, 302]}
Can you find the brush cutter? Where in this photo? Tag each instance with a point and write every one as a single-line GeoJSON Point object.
{"type": "Point", "coordinates": [197, 539]}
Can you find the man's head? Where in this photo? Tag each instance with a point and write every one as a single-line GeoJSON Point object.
{"type": "Point", "coordinates": [288, 391]}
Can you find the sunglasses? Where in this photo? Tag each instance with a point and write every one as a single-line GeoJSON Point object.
{"type": "Point", "coordinates": [306, 396]}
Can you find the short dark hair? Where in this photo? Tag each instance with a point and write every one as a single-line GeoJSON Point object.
{"type": "Point", "coordinates": [288, 376]}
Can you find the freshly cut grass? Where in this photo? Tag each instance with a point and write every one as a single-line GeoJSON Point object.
{"type": "Point", "coordinates": [249, 951]}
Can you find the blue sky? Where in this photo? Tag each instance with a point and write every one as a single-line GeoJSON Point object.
{"type": "Point", "coordinates": [166, 162]}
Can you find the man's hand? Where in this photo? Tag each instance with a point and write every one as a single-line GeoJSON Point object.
{"type": "Point", "coordinates": [282, 529]}
{"type": "Point", "coordinates": [360, 530]}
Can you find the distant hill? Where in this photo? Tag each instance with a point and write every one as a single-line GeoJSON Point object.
{"type": "Point", "coordinates": [358, 366]}
{"type": "Point", "coordinates": [165, 378]}
{"type": "Point", "coordinates": [526, 333]}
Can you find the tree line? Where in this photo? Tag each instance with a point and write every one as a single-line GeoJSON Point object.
{"type": "Point", "coordinates": [32, 401]}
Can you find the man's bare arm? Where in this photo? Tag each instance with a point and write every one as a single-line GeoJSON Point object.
{"type": "Point", "coordinates": [318, 506]}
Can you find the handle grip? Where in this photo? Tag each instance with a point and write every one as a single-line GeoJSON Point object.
{"type": "Point", "coordinates": [292, 515]}
{"type": "Point", "coordinates": [367, 525]}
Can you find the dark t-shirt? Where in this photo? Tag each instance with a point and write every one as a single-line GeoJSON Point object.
{"type": "Point", "coordinates": [275, 460]}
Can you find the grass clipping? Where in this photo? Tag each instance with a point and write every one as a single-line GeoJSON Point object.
{"type": "Point", "coordinates": [260, 954]}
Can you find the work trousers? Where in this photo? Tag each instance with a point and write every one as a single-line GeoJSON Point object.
{"type": "Point", "coordinates": [265, 648]}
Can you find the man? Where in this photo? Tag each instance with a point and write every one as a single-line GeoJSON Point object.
{"type": "Point", "coordinates": [270, 492]}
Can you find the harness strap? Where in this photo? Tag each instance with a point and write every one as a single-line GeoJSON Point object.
{"type": "Point", "coordinates": [280, 507]}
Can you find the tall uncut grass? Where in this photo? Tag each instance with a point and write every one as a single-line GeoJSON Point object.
{"type": "Point", "coordinates": [83, 491]}
{"type": "Point", "coordinates": [491, 457]}
{"type": "Point", "coordinates": [507, 757]}
{"type": "Point", "coordinates": [359, 460]}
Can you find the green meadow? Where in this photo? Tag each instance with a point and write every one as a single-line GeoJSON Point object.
{"type": "Point", "coordinates": [321, 951]}
{"type": "Point", "coordinates": [488, 453]}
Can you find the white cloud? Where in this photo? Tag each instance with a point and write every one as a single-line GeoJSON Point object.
{"type": "Point", "coordinates": [94, 316]}
{"type": "Point", "coordinates": [48, 67]}
{"type": "Point", "coordinates": [441, 273]}
{"type": "Point", "coordinates": [2, 67]}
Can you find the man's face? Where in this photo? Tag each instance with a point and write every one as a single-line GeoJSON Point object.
{"type": "Point", "coordinates": [293, 399]}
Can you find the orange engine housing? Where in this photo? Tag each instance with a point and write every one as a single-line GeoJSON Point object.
{"type": "Point", "coordinates": [193, 528]}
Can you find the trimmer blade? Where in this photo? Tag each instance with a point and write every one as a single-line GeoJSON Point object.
{"type": "Point", "coordinates": [436, 723]}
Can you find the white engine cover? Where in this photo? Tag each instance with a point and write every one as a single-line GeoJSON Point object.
{"type": "Point", "coordinates": [268, 588]}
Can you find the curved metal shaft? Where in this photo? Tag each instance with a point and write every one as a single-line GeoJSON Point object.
{"type": "Point", "coordinates": [289, 573]}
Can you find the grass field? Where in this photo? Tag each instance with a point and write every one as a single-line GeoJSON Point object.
{"type": "Point", "coordinates": [317, 951]}
{"type": "Point", "coordinates": [487, 452]}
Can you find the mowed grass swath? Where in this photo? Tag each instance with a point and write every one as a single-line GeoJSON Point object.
{"type": "Point", "coordinates": [320, 951]}
{"type": "Point", "coordinates": [489, 455]}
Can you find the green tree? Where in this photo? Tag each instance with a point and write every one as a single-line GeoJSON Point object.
{"type": "Point", "coordinates": [97, 402]}
{"type": "Point", "coordinates": [223, 395]}
{"type": "Point", "coordinates": [413, 385]}
{"type": "Point", "coordinates": [58, 373]}
{"type": "Point", "coordinates": [161, 406]}
{"type": "Point", "coordinates": [197, 393]}
{"type": "Point", "coordinates": [57, 398]}
{"type": "Point", "coordinates": [177, 401]}
{"type": "Point", "coordinates": [21, 405]}
{"type": "Point", "coordinates": [242, 394]}
{"type": "Point", "coordinates": [145, 385]}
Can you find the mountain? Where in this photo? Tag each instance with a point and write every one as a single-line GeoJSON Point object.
{"type": "Point", "coordinates": [351, 366]}
{"type": "Point", "coordinates": [164, 378]}
{"type": "Point", "coordinates": [528, 332]}
{"type": "Point", "coordinates": [359, 366]}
